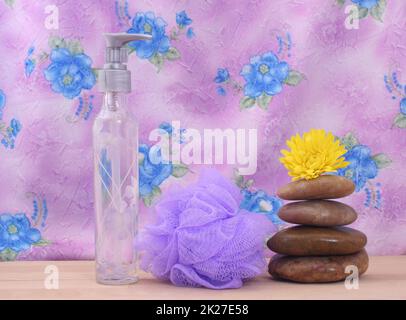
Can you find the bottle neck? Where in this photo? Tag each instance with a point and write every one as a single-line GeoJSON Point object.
{"type": "Point", "coordinates": [115, 101]}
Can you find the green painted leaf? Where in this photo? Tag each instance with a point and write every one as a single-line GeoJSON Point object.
{"type": "Point", "coordinates": [56, 42]}
{"type": "Point", "coordinates": [95, 71]}
{"type": "Point", "coordinates": [238, 179]}
{"type": "Point", "coordinates": [400, 121]}
{"type": "Point", "coordinates": [149, 199]}
{"type": "Point", "coordinates": [263, 101]}
{"type": "Point", "coordinates": [157, 60]}
{"type": "Point", "coordinates": [349, 141]}
{"type": "Point", "coordinates": [340, 2]}
{"type": "Point", "coordinates": [8, 255]}
{"type": "Point", "coordinates": [141, 157]}
{"type": "Point", "coordinates": [130, 49]}
{"type": "Point", "coordinates": [382, 160]}
{"type": "Point", "coordinates": [43, 56]}
{"type": "Point", "coordinates": [172, 54]}
{"type": "Point", "coordinates": [42, 243]}
{"type": "Point", "coordinates": [174, 35]}
{"type": "Point", "coordinates": [156, 191]}
{"type": "Point", "coordinates": [74, 46]}
{"type": "Point", "coordinates": [294, 78]}
{"type": "Point", "coordinates": [362, 12]}
{"type": "Point", "coordinates": [10, 3]}
{"type": "Point", "coordinates": [349, 173]}
{"type": "Point", "coordinates": [378, 10]}
{"type": "Point", "coordinates": [249, 183]}
{"type": "Point", "coordinates": [179, 170]}
{"type": "Point", "coordinates": [247, 102]}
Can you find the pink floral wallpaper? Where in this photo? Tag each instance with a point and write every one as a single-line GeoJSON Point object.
{"type": "Point", "coordinates": [278, 66]}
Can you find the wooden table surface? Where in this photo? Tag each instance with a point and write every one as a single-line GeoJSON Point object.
{"type": "Point", "coordinates": [385, 279]}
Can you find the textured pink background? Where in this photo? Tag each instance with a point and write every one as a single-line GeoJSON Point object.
{"type": "Point", "coordinates": [343, 91]}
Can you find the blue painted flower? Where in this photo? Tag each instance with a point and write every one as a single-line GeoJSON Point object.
{"type": "Point", "coordinates": [30, 50]}
{"type": "Point", "coordinates": [153, 169]}
{"type": "Point", "coordinates": [29, 66]}
{"type": "Point", "coordinates": [16, 232]}
{"type": "Point", "coordinates": [260, 202]}
{"type": "Point", "coordinates": [70, 73]}
{"type": "Point", "coordinates": [2, 103]}
{"type": "Point", "coordinates": [2, 99]}
{"type": "Point", "coordinates": [182, 19]}
{"type": "Point", "coordinates": [15, 127]}
{"type": "Point", "coordinates": [190, 33]}
{"type": "Point", "coordinates": [366, 3]}
{"type": "Point", "coordinates": [221, 91]}
{"type": "Point", "coordinates": [178, 135]}
{"type": "Point", "coordinates": [403, 106]}
{"type": "Point", "coordinates": [264, 74]}
{"type": "Point", "coordinates": [166, 126]}
{"type": "Point", "coordinates": [147, 23]}
{"type": "Point", "coordinates": [6, 143]}
{"type": "Point", "coordinates": [222, 75]}
{"type": "Point", "coordinates": [361, 168]}
{"type": "Point", "coordinates": [12, 131]}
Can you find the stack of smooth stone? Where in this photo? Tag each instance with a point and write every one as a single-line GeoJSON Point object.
{"type": "Point", "coordinates": [320, 248]}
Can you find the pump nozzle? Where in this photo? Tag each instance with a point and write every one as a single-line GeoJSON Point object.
{"type": "Point", "coordinates": [117, 40]}
{"type": "Point", "coordinates": [114, 76]}
{"type": "Point", "coordinates": [116, 52]}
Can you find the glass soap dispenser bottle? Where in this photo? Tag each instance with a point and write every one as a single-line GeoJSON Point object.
{"type": "Point", "coordinates": [115, 146]}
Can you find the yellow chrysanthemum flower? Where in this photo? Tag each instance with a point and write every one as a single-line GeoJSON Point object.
{"type": "Point", "coordinates": [316, 153]}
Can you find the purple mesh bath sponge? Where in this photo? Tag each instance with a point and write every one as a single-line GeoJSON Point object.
{"type": "Point", "coordinates": [203, 239]}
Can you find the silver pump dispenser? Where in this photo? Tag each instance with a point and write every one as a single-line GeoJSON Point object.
{"type": "Point", "coordinates": [114, 77]}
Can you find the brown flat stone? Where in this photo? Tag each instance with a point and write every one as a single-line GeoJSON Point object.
{"type": "Point", "coordinates": [323, 213]}
{"type": "Point", "coordinates": [317, 269]}
{"type": "Point", "coordinates": [323, 187]}
{"type": "Point", "coordinates": [317, 241]}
